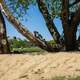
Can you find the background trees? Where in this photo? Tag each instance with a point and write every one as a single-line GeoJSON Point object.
{"type": "Point", "coordinates": [67, 10]}
{"type": "Point", "coordinates": [19, 43]}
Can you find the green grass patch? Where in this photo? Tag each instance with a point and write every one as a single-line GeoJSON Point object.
{"type": "Point", "coordinates": [29, 49]}
{"type": "Point", "coordinates": [66, 78]}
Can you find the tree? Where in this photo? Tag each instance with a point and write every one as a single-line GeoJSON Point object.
{"type": "Point", "coordinates": [25, 32]}
{"type": "Point", "coordinates": [69, 13]}
{"type": "Point", "coordinates": [69, 28]}
{"type": "Point", "coordinates": [4, 46]}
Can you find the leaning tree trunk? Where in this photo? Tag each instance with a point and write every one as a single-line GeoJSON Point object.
{"type": "Point", "coordinates": [49, 21]}
{"type": "Point", "coordinates": [4, 46]}
{"type": "Point", "coordinates": [25, 32]}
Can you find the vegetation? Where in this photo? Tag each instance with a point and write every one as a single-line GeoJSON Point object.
{"type": "Point", "coordinates": [26, 50]}
{"type": "Point", "coordinates": [66, 78]}
{"type": "Point", "coordinates": [22, 46]}
{"type": "Point", "coordinates": [67, 10]}
{"type": "Point", "coordinates": [52, 42]}
{"type": "Point", "coordinates": [19, 43]}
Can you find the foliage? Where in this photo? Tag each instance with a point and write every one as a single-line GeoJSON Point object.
{"type": "Point", "coordinates": [52, 42]}
{"type": "Point", "coordinates": [55, 7]}
{"type": "Point", "coordinates": [28, 49]}
{"type": "Point", "coordinates": [21, 46]}
{"type": "Point", "coordinates": [66, 78]}
{"type": "Point", "coordinates": [18, 43]}
{"type": "Point", "coordinates": [19, 7]}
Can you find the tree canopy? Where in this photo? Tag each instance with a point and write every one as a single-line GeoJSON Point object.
{"type": "Point", "coordinates": [20, 7]}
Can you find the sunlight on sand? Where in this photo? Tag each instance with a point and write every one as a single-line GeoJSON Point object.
{"type": "Point", "coordinates": [39, 67]}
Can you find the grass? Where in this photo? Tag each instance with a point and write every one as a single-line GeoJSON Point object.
{"type": "Point", "coordinates": [29, 50]}
{"type": "Point", "coordinates": [66, 78]}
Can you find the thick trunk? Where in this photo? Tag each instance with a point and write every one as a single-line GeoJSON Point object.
{"type": "Point", "coordinates": [69, 28]}
{"type": "Point", "coordinates": [70, 40]}
{"type": "Point", "coordinates": [4, 46]}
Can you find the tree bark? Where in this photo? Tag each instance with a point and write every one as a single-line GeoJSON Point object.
{"type": "Point", "coordinates": [4, 45]}
{"type": "Point", "coordinates": [70, 40]}
{"type": "Point", "coordinates": [69, 30]}
{"type": "Point", "coordinates": [74, 24]}
{"type": "Point", "coordinates": [25, 32]}
{"type": "Point", "coordinates": [75, 20]}
{"type": "Point", "coordinates": [49, 21]}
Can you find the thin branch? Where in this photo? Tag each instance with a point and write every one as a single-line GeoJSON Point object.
{"type": "Point", "coordinates": [75, 20]}
{"type": "Point", "coordinates": [49, 21]}
{"type": "Point", "coordinates": [77, 1]}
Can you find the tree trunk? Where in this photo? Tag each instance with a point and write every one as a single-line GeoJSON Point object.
{"type": "Point", "coordinates": [25, 32]}
{"type": "Point", "coordinates": [70, 40]}
{"type": "Point", "coordinates": [49, 21]}
{"type": "Point", "coordinates": [4, 46]}
{"type": "Point", "coordinates": [68, 28]}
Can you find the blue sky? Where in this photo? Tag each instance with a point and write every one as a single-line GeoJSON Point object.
{"type": "Point", "coordinates": [34, 22]}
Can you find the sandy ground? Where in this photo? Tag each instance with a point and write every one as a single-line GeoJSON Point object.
{"type": "Point", "coordinates": [39, 67]}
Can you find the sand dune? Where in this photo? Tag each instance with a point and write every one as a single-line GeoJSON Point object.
{"type": "Point", "coordinates": [39, 67]}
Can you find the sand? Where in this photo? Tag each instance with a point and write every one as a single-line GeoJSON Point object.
{"type": "Point", "coordinates": [39, 67]}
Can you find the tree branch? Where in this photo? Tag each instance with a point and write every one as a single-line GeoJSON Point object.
{"type": "Point", "coordinates": [77, 1]}
{"type": "Point", "coordinates": [65, 17]}
{"type": "Point", "coordinates": [75, 20]}
{"type": "Point", "coordinates": [49, 22]}
{"type": "Point", "coordinates": [65, 14]}
{"type": "Point", "coordinates": [25, 32]}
